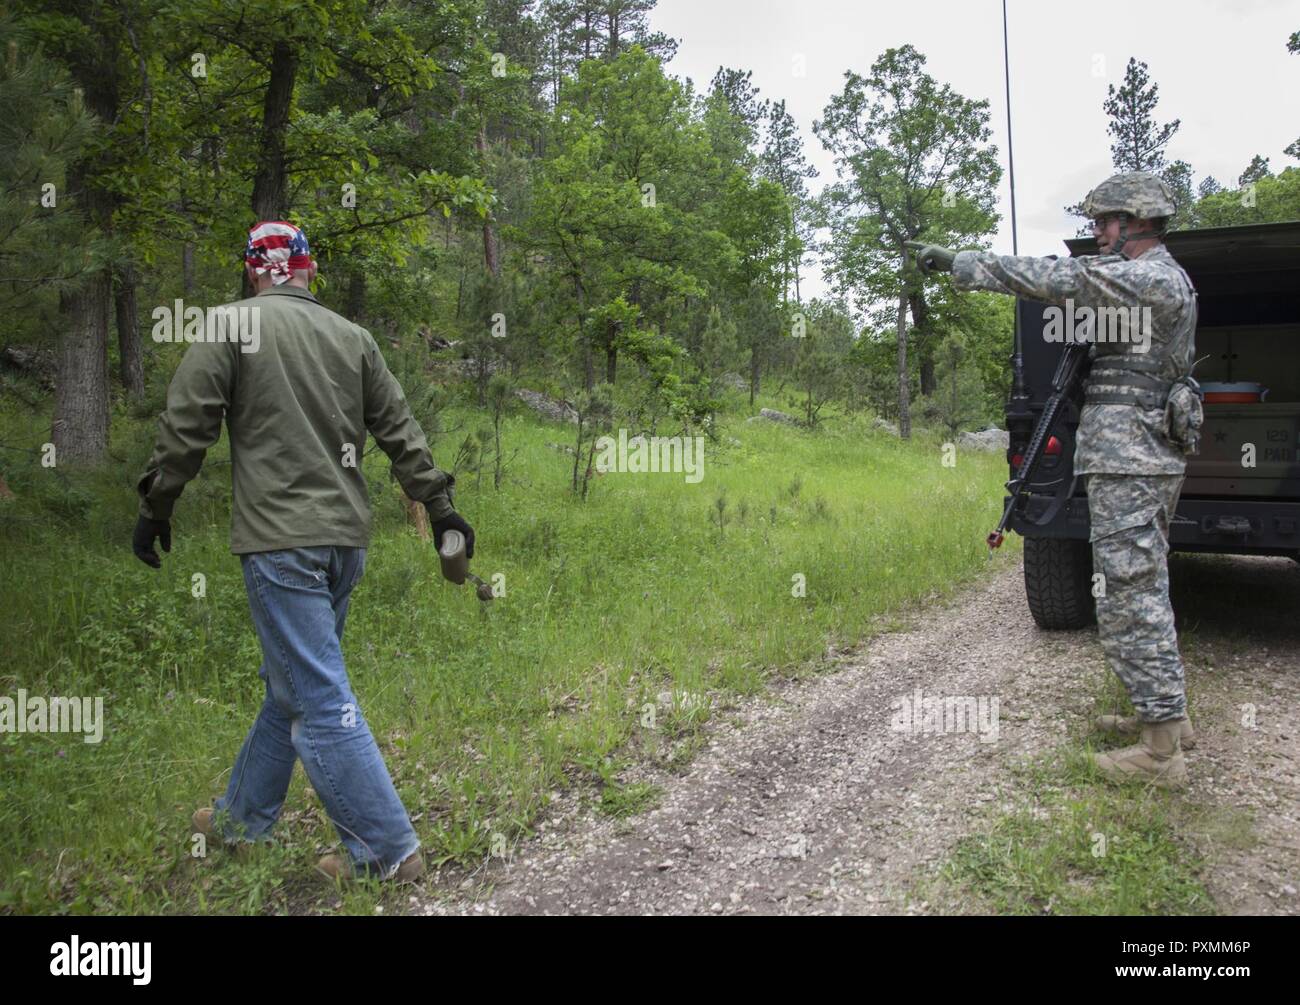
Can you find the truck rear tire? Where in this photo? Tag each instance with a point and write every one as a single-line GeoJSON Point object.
{"type": "Point", "coordinates": [1058, 583]}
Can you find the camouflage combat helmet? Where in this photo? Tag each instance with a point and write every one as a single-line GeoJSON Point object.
{"type": "Point", "coordinates": [1138, 193]}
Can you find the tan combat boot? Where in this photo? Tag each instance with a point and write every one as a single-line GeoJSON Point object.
{"type": "Point", "coordinates": [1157, 758]}
{"type": "Point", "coordinates": [1129, 726]}
{"type": "Point", "coordinates": [336, 867]}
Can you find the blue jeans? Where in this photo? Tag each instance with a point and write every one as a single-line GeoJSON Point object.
{"type": "Point", "coordinates": [299, 599]}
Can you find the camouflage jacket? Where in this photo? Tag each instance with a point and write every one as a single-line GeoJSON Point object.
{"type": "Point", "coordinates": [1145, 306]}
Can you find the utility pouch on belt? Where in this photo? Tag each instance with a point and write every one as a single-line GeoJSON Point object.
{"type": "Point", "coordinates": [1130, 381]}
{"type": "Point", "coordinates": [1184, 416]}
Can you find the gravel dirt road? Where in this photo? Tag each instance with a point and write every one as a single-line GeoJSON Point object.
{"type": "Point", "coordinates": [815, 798]}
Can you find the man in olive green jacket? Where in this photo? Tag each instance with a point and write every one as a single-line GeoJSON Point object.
{"type": "Point", "coordinates": [299, 387]}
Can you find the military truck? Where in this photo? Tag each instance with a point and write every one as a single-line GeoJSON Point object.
{"type": "Point", "coordinates": [1242, 493]}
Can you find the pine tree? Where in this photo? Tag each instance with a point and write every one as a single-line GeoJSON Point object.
{"type": "Point", "coordinates": [1139, 142]}
{"type": "Point", "coordinates": [45, 127]}
{"type": "Point", "coordinates": [1178, 176]}
{"type": "Point", "coordinates": [782, 161]}
{"type": "Point", "coordinates": [733, 111]}
{"type": "Point", "coordinates": [599, 29]}
{"type": "Point", "coordinates": [1255, 170]}
{"type": "Point", "coordinates": [1293, 47]}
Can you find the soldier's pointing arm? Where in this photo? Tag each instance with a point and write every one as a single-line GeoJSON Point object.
{"type": "Point", "coordinates": [1100, 280]}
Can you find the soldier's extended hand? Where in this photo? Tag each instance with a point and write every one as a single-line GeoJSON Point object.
{"type": "Point", "coordinates": [932, 257]}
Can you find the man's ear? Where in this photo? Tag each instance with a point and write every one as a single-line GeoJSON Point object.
{"type": "Point", "coordinates": [311, 272]}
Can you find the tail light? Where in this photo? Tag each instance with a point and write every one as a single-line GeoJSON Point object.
{"type": "Point", "coordinates": [1051, 449]}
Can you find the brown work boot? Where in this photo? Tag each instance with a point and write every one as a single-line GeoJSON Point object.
{"type": "Point", "coordinates": [1157, 758]}
{"type": "Point", "coordinates": [336, 867]}
{"type": "Point", "coordinates": [202, 822]}
{"type": "Point", "coordinates": [1130, 726]}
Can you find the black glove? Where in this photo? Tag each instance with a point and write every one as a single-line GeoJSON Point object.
{"type": "Point", "coordinates": [454, 521]}
{"type": "Point", "coordinates": [146, 531]}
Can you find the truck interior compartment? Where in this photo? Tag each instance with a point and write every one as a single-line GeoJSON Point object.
{"type": "Point", "coordinates": [1249, 449]}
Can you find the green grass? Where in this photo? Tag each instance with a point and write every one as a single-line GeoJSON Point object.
{"type": "Point", "coordinates": [1078, 844]}
{"type": "Point", "coordinates": [482, 711]}
{"type": "Point", "coordinates": [625, 800]}
{"type": "Point", "coordinates": [1082, 848]}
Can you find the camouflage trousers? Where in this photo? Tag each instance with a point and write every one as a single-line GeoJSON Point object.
{"type": "Point", "coordinates": [1130, 544]}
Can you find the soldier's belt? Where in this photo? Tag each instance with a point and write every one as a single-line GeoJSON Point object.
{"type": "Point", "coordinates": [1145, 390]}
{"type": "Point", "coordinates": [1127, 362]}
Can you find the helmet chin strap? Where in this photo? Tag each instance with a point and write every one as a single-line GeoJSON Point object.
{"type": "Point", "coordinates": [1125, 236]}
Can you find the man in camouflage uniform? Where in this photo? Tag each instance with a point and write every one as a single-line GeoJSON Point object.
{"type": "Point", "coordinates": [1136, 387]}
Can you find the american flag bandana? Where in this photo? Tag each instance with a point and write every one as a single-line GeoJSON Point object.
{"type": "Point", "coordinates": [278, 248]}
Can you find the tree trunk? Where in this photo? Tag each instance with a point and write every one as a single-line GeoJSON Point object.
{"type": "Point", "coordinates": [80, 428]}
{"type": "Point", "coordinates": [956, 404]}
{"type": "Point", "coordinates": [920, 340]}
{"type": "Point", "coordinates": [489, 236]}
{"type": "Point", "coordinates": [357, 297]}
{"type": "Point", "coordinates": [460, 283]}
{"type": "Point", "coordinates": [788, 267]}
{"type": "Point", "coordinates": [418, 517]}
{"type": "Point", "coordinates": [128, 333]}
{"type": "Point", "coordinates": [904, 403]}
{"type": "Point", "coordinates": [754, 369]}
{"type": "Point", "coordinates": [187, 248]}
{"type": "Point", "coordinates": [577, 454]}
{"type": "Point", "coordinates": [588, 363]}
{"type": "Point", "coordinates": [270, 196]}
{"type": "Point", "coordinates": [611, 53]}
{"type": "Point", "coordinates": [490, 250]}
{"type": "Point", "coordinates": [925, 364]}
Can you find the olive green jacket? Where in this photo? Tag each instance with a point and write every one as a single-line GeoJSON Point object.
{"type": "Point", "coordinates": [299, 387]}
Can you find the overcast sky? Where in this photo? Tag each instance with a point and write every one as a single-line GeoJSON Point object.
{"type": "Point", "coordinates": [1222, 68]}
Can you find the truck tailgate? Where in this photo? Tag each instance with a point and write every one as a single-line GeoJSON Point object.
{"type": "Point", "coordinates": [1219, 469]}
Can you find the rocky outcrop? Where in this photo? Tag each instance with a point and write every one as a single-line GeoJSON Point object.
{"type": "Point", "coordinates": [991, 439]}
{"type": "Point", "coordinates": [772, 415]}
{"type": "Point", "coordinates": [550, 408]}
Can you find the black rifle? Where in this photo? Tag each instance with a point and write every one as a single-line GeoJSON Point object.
{"type": "Point", "coordinates": [1069, 373]}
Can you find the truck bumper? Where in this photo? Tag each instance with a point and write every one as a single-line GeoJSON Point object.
{"type": "Point", "coordinates": [1228, 526]}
